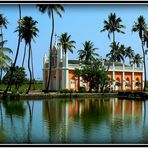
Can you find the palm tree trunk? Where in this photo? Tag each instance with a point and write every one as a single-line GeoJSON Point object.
{"type": "Point", "coordinates": [24, 56]}
{"type": "Point", "coordinates": [50, 56]}
{"type": "Point", "coordinates": [30, 73]}
{"type": "Point", "coordinates": [32, 64]}
{"type": "Point", "coordinates": [144, 66]}
{"type": "Point", "coordinates": [29, 124]}
{"type": "Point", "coordinates": [16, 56]}
{"type": "Point", "coordinates": [33, 80]}
{"type": "Point", "coordinates": [113, 36]}
{"type": "Point", "coordinates": [1, 72]}
{"type": "Point", "coordinates": [1, 113]}
{"type": "Point", "coordinates": [2, 35]}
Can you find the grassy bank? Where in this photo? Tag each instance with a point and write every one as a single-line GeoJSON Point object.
{"type": "Point", "coordinates": [23, 88]}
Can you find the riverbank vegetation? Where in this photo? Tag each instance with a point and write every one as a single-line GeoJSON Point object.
{"type": "Point", "coordinates": [13, 78]}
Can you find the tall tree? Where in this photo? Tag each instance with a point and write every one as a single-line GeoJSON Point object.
{"type": "Point", "coordinates": [117, 54]}
{"type": "Point", "coordinates": [28, 31]}
{"type": "Point", "coordinates": [141, 27]}
{"type": "Point", "coordinates": [17, 52]}
{"type": "Point", "coordinates": [50, 9]}
{"type": "Point", "coordinates": [137, 59]}
{"type": "Point", "coordinates": [113, 25]}
{"type": "Point", "coordinates": [129, 52]}
{"type": "Point", "coordinates": [88, 52]}
{"type": "Point", "coordinates": [3, 24]}
{"type": "Point", "coordinates": [5, 60]}
{"type": "Point", "coordinates": [66, 43]}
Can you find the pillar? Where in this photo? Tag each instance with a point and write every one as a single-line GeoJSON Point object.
{"type": "Point", "coordinates": [57, 68]}
{"type": "Point", "coordinates": [113, 76]}
{"type": "Point", "coordinates": [132, 80]}
{"type": "Point", "coordinates": [123, 80]}
{"type": "Point", "coordinates": [63, 72]}
{"type": "Point", "coordinates": [143, 77]}
{"type": "Point", "coordinates": [66, 71]}
{"type": "Point", "coordinates": [44, 71]}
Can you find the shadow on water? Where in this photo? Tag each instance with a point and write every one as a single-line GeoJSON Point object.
{"type": "Point", "coordinates": [13, 109]}
{"type": "Point", "coordinates": [29, 135]}
{"type": "Point", "coordinates": [2, 132]}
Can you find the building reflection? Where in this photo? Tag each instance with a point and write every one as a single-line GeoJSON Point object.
{"type": "Point", "coordinates": [127, 108]}
{"type": "Point", "coordinates": [60, 115]}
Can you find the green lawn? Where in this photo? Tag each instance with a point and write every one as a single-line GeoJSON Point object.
{"type": "Point", "coordinates": [23, 88]}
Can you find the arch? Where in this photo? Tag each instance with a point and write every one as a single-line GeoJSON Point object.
{"type": "Point", "coordinates": [117, 84]}
{"type": "Point", "coordinates": [118, 79]}
{"type": "Point", "coordinates": [137, 83]}
{"type": "Point", "coordinates": [127, 82]}
{"type": "Point", "coordinates": [137, 79]}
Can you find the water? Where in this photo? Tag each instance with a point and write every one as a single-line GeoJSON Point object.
{"type": "Point", "coordinates": [74, 121]}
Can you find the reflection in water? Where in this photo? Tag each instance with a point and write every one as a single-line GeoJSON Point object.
{"type": "Point", "coordinates": [29, 137]}
{"type": "Point", "coordinates": [84, 120]}
{"type": "Point", "coordinates": [107, 120]}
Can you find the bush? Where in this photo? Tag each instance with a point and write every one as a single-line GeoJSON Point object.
{"type": "Point", "coordinates": [107, 90]}
{"type": "Point", "coordinates": [66, 91]}
{"type": "Point", "coordinates": [82, 89]}
{"type": "Point", "coordinates": [18, 78]}
{"type": "Point", "coordinates": [71, 91]}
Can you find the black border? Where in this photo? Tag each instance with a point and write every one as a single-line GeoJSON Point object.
{"type": "Point", "coordinates": [120, 2]}
{"type": "Point", "coordinates": [74, 2]}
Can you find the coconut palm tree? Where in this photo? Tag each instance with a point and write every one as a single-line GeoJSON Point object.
{"type": "Point", "coordinates": [17, 52]}
{"type": "Point", "coordinates": [50, 9]}
{"type": "Point", "coordinates": [141, 27]}
{"type": "Point", "coordinates": [116, 54]}
{"type": "Point", "coordinates": [113, 25]}
{"type": "Point", "coordinates": [66, 43]}
{"type": "Point", "coordinates": [3, 24]}
{"type": "Point", "coordinates": [28, 31]}
{"type": "Point", "coordinates": [137, 59]}
{"type": "Point", "coordinates": [4, 58]}
{"type": "Point", "coordinates": [88, 52]}
{"type": "Point", "coordinates": [129, 53]}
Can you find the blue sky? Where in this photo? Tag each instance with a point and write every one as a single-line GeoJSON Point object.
{"type": "Point", "coordinates": [82, 22]}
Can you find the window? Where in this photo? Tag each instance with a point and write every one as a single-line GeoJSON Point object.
{"type": "Point", "coordinates": [72, 83]}
{"type": "Point", "coordinates": [127, 82]}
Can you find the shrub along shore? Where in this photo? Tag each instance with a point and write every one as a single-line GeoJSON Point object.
{"type": "Point", "coordinates": [51, 95]}
{"type": "Point", "coordinates": [36, 93]}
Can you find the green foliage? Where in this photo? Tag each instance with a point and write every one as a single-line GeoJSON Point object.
{"type": "Point", "coordinates": [66, 43]}
{"type": "Point", "coordinates": [138, 84]}
{"type": "Point", "coordinates": [88, 52]}
{"type": "Point", "coordinates": [96, 75]}
{"type": "Point", "coordinates": [113, 24]}
{"type": "Point", "coordinates": [18, 77]}
{"type": "Point", "coordinates": [66, 91]}
{"type": "Point", "coordinates": [82, 89]}
{"type": "Point", "coordinates": [23, 87]}
{"type": "Point", "coordinates": [118, 84]}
